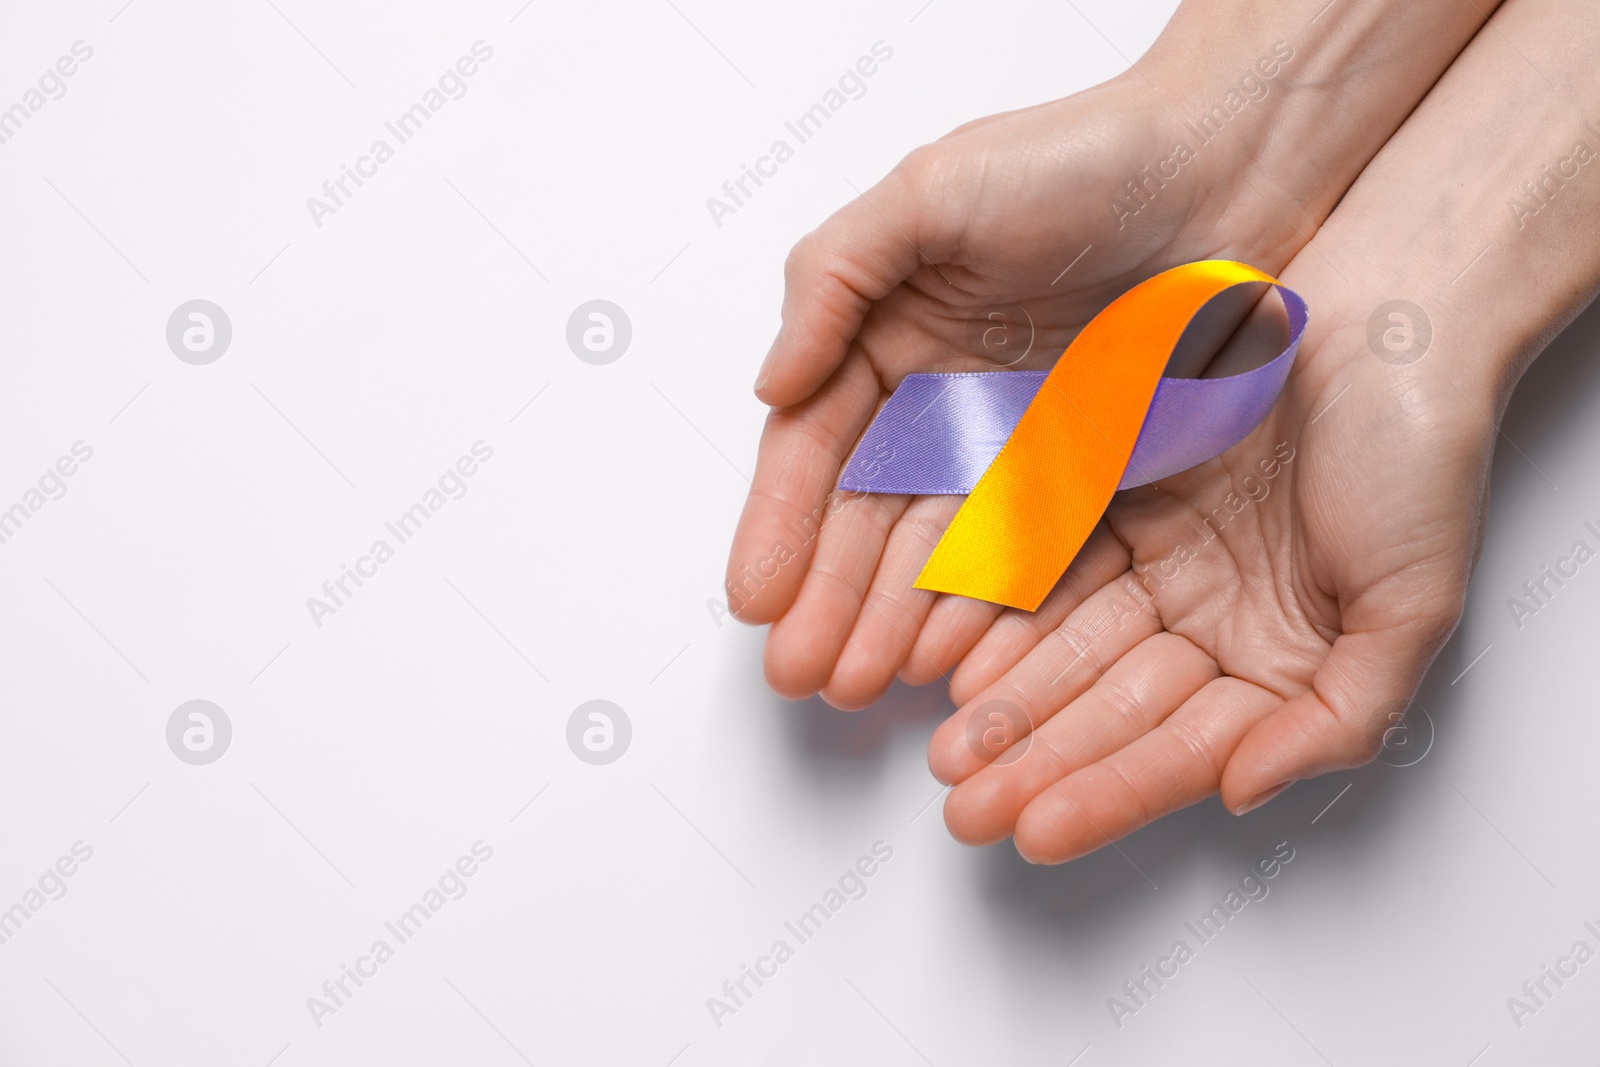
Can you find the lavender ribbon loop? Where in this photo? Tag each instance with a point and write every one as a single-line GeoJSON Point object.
{"type": "Point", "coordinates": [938, 433]}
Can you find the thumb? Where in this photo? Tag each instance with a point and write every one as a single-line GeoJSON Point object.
{"type": "Point", "coordinates": [1342, 720]}
{"type": "Point", "coordinates": [831, 279]}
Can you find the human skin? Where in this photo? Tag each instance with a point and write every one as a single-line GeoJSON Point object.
{"type": "Point", "coordinates": [902, 279]}
{"type": "Point", "coordinates": [1280, 651]}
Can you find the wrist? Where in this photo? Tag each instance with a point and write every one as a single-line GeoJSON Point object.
{"type": "Point", "coordinates": [1299, 96]}
{"type": "Point", "coordinates": [1495, 264]}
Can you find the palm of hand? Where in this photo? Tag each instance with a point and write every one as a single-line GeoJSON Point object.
{"type": "Point", "coordinates": [1285, 600]}
{"type": "Point", "coordinates": [903, 281]}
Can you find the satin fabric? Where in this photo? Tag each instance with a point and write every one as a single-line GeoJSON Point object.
{"type": "Point", "coordinates": [1041, 453]}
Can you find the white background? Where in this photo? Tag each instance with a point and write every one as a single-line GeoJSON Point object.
{"type": "Point", "coordinates": [368, 754]}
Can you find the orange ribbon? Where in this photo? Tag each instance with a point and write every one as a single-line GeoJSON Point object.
{"type": "Point", "coordinates": [1036, 505]}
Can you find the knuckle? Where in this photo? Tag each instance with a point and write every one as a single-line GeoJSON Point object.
{"type": "Point", "coordinates": [919, 172]}
{"type": "Point", "coordinates": [1136, 598]}
{"type": "Point", "coordinates": [1364, 735]}
{"type": "Point", "coordinates": [1135, 799]}
{"type": "Point", "coordinates": [1123, 704]}
{"type": "Point", "coordinates": [917, 163]}
{"type": "Point", "coordinates": [1368, 743]}
{"type": "Point", "coordinates": [797, 262]}
{"type": "Point", "coordinates": [923, 531]}
{"type": "Point", "coordinates": [1196, 744]}
{"type": "Point", "coordinates": [1081, 648]}
{"type": "Point", "coordinates": [1440, 618]}
{"type": "Point", "coordinates": [1056, 765]}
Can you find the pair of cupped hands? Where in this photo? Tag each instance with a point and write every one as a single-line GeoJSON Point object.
{"type": "Point", "coordinates": [1279, 644]}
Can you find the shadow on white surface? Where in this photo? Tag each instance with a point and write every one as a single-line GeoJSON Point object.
{"type": "Point", "coordinates": [1553, 395]}
{"type": "Point", "coordinates": [841, 742]}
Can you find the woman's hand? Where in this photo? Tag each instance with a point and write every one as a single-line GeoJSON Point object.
{"type": "Point", "coordinates": [1009, 216]}
{"type": "Point", "coordinates": [1266, 616]}
{"type": "Point", "coordinates": [994, 245]}
{"type": "Point", "coordinates": [1255, 620]}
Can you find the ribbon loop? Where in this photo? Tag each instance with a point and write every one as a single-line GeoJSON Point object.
{"type": "Point", "coordinates": [1041, 453]}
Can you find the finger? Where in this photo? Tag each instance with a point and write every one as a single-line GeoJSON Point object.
{"type": "Point", "coordinates": [1177, 764]}
{"type": "Point", "coordinates": [797, 466]}
{"type": "Point", "coordinates": [831, 279]}
{"type": "Point", "coordinates": [803, 646]}
{"type": "Point", "coordinates": [952, 627]}
{"type": "Point", "coordinates": [892, 616]}
{"type": "Point", "coordinates": [958, 627]}
{"type": "Point", "coordinates": [1341, 721]}
{"type": "Point", "coordinates": [1134, 696]}
{"type": "Point", "coordinates": [1098, 633]}
{"type": "Point", "coordinates": [1015, 633]}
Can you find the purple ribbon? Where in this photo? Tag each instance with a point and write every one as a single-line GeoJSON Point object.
{"type": "Point", "coordinates": [938, 433]}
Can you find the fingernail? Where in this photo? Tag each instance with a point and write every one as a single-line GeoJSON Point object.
{"type": "Point", "coordinates": [1262, 798]}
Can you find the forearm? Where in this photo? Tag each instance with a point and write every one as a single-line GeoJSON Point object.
{"type": "Point", "coordinates": [1500, 174]}
{"type": "Point", "coordinates": [1300, 95]}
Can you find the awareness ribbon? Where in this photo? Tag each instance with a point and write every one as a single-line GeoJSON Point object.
{"type": "Point", "coordinates": [1042, 452]}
